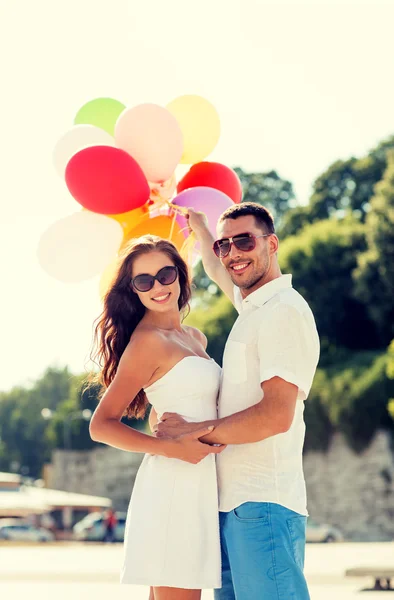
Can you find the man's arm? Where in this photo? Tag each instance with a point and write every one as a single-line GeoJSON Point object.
{"type": "Point", "coordinates": [272, 415]}
{"type": "Point", "coordinates": [212, 265]}
{"type": "Point", "coordinates": [283, 349]}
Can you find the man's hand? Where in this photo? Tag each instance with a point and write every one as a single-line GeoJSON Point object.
{"type": "Point", "coordinates": [172, 425]}
{"type": "Point", "coordinates": [198, 223]}
{"type": "Point", "coordinates": [189, 448]}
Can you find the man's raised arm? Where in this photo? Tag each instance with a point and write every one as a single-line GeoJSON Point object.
{"type": "Point", "coordinates": [213, 267]}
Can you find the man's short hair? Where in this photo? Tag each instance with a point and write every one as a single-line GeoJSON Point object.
{"type": "Point", "coordinates": [263, 217]}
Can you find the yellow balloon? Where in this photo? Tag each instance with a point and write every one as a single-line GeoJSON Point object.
{"type": "Point", "coordinates": [200, 125]}
{"type": "Point", "coordinates": [131, 219]}
{"type": "Point", "coordinates": [108, 277]}
{"type": "Point", "coordinates": [162, 226]}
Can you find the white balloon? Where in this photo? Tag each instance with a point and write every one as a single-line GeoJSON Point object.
{"type": "Point", "coordinates": [79, 246]}
{"type": "Point", "coordinates": [76, 139]}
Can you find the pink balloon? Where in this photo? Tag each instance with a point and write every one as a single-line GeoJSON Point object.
{"type": "Point", "coordinates": [208, 200]}
{"type": "Point", "coordinates": [153, 137]}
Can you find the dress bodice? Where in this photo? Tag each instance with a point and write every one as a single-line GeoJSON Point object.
{"type": "Point", "coordinates": [190, 389]}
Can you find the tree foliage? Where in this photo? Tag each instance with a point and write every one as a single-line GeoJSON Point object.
{"type": "Point", "coordinates": [344, 189]}
{"type": "Point", "coordinates": [25, 436]}
{"type": "Point", "coordinates": [351, 397]}
{"type": "Point", "coordinates": [322, 258]}
{"type": "Point", "coordinates": [375, 275]}
{"type": "Point", "coordinates": [268, 189]}
{"type": "Point", "coordinates": [216, 323]}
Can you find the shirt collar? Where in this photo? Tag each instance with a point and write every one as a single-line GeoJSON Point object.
{"type": "Point", "coordinates": [267, 291]}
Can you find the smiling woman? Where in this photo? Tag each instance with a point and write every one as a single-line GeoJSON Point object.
{"type": "Point", "coordinates": [147, 356]}
{"type": "Point", "coordinates": [150, 272]}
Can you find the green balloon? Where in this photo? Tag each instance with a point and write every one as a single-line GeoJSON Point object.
{"type": "Point", "coordinates": [101, 112]}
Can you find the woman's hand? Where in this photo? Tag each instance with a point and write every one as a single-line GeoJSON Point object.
{"type": "Point", "coordinates": [189, 448]}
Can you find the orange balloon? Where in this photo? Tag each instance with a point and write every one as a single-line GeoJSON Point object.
{"type": "Point", "coordinates": [131, 219]}
{"type": "Point", "coordinates": [162, 226]}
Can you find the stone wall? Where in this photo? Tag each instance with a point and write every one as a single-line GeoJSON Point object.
{"type": "Point", "coordinates": [101, 472]}
{"type": "Point", "coordinates": [353, 491]}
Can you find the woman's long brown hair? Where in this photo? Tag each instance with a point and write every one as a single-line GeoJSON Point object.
{"type": "Point", "coordinates": [123, 310]}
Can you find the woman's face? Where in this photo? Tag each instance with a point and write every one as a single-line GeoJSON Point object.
{"type": "Point", "coordinates": [161, 298]}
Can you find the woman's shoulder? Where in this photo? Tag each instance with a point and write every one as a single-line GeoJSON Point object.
{"type": "Point", "coordinates": [147, 339]}
{"type": "Point", "coordinates": [197, 334]}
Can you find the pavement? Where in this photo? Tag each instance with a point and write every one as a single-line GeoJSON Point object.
{"type": "Point", "coordinates": [91, 572]}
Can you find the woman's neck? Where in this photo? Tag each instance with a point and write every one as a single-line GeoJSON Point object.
{"type": "Point", "coordinates": [169, 320]}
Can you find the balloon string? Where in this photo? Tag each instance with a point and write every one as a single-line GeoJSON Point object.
{"type": "Point", "coordinates": [172, 226]}
{"type": "Point", "coordinates": [188, 245]}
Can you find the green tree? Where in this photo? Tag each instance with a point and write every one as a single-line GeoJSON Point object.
{"type": "Point", "coordinates": [344, 189]}
{"type": "Point", "coordinates": [319, 428]}
{"type": "Point", "coordinates": [268, 189]}
{"type": "Point", "coordinates": [203, 287]}
{"type": "Point", "coordinates": [375, 275]}
{"type": "Point", "coordinates": [216, 321]}
{"type": "Point", "coordinates": [351, 397]}
{"type": "Point", "coordinates": [293, 221]}
{"type": "Point", "coordinates": [80, 397]}
{"type": "Point", "coordinates": [322, 258]}
{"type": "Point", "coordinates": [25, 435]}
{"type": "Point", "coordinates": [390, 360]}
{"type": "Point", "coordinates": [390, 374]}
{"type": "Point", "coordinates": [348, 185]}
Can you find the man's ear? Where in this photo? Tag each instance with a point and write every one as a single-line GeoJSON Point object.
{"type": "Point", "coordinates": [274, 243]}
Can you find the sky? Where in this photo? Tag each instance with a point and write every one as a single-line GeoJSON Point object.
{"type": "Point", "coordinates": [297, 85]}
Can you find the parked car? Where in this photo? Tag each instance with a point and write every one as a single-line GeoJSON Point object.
{"type": "Point", "coordinates": [19, 530]}
{"type": "Point", "coordinates": [92, 528]}
{"type": "Point", "coordinates": [318, 532]}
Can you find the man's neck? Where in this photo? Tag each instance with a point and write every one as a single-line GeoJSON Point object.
{"type": "Point", "coordinates": [275, 274]}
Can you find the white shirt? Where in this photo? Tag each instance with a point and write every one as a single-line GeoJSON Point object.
{"type": "Point", "coordinates": [274, 336]}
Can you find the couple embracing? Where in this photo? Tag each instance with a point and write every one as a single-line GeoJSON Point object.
{"type": "Point", "coordinates": [219, 500]}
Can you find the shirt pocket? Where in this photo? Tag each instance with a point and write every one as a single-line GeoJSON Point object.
{"type": "Point", "coordinates": [234, 362]}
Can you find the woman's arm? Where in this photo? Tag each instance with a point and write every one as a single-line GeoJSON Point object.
{"type": "Point", "coordinates": [139, 362]}
{"type": "Point", "coordinates": [136, 367]}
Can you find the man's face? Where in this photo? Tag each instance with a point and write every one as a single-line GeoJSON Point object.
{"type": "Point", "coordinates": [246, 269]}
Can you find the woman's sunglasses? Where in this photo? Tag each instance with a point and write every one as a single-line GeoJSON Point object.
{"type": "Point", "coordinates": [246, 242]}
{"type": "Point", "coordinates": [145, 282]}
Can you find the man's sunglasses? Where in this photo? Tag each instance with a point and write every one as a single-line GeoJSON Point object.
{"type": "Point", "coordinates": [145, 282]}
{"type": "Point", "coordinates": [246, 242]}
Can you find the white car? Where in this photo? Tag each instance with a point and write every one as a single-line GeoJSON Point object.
{"type": "Point", "coordinates": [317, 532]}
{"type": "Point", "coordinates": [18, 530]}
{"type": "Point", "coordinates": [92, 528]}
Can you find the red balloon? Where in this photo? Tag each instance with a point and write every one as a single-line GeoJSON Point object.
{"type": "Point", "coordinates": [214, 175]}
{"type": "Point", "coordinates": [106, 180]}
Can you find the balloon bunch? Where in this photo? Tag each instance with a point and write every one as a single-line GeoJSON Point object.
{"type": "Point", "coordinates": [119, 164]}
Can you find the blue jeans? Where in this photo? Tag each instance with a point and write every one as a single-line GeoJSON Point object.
{"type": "Point", "coordinates": [263, 549]}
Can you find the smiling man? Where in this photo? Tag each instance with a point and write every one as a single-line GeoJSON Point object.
{"type": "Point", "coordinates": [268, 366]}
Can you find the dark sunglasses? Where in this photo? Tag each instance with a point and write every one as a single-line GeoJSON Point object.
{"type": "Point", "coordinates": [246, 242]}
{"type": "Point", "coordinates": [145, 282]}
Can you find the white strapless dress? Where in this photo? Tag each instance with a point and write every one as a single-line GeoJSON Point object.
{"type": "Point", "coordinates": [172, 529]}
